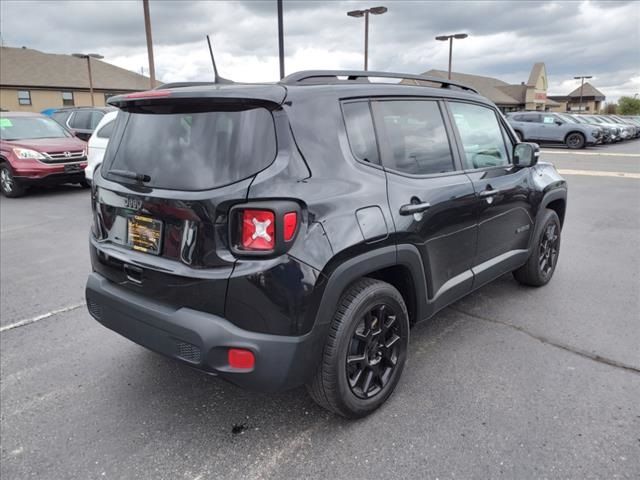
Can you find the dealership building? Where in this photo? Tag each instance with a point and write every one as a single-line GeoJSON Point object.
{"type": "Point", "coordinates": [529, 95]}
{"type": "Point", "coordinates": [32, 81]}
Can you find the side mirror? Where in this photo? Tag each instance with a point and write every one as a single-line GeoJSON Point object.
{"type": "Point", "coordinates": [558, 122]}
{"type": "Point", "coordinates": [526, 154]}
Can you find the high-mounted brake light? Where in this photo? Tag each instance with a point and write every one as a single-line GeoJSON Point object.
{"type": "Point", "coordinates": [149, 93]}
{"type": "Point", "coordinates": [258, 230]}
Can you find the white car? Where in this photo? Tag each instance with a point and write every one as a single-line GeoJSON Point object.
{"type": "Point", "coordinates": [98, 143]}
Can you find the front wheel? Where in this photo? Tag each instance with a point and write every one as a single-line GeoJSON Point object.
{"type": "Point", "coordinates": [10, 188]}
{"type": "Point", "coordinates": [575, 141]}
{"type": "Point", "coordinates": [544, 257]}
{"type": "Point", "coordinates": [365, 351]}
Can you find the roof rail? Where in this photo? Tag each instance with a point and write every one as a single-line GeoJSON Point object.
{"type": "Point", "coordinates": [318, 77]}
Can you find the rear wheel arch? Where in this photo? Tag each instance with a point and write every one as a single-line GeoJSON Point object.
{"type": "Point", "coordinates": [400, 266]}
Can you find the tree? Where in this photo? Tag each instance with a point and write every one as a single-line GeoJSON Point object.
{"type": "Point", "coordinates": [629, 106]}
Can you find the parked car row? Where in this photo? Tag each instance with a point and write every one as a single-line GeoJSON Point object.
{"type": "Point", "coordinates": [575, 131]}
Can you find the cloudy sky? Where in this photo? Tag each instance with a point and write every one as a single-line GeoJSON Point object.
{"type": "Point", "coordinates": [505, 37]}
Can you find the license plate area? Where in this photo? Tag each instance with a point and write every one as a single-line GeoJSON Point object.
{"type": "Point", "coordinates": [72, 168]}
{"type": "Point", "coordinates": [144, 234]}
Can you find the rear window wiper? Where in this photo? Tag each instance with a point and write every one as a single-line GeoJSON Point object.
{"type": "Point", "coordinates": [138, 177]}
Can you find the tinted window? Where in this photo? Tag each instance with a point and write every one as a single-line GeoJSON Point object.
{"type": "Point", "coordinates": [22, 128]}
{"type": "Point", "coordinates": [61, 117]}
{"type": "Point", "coordinates": [362, 137]}
{"type": "Point", "coordinates": [81, 120]}
{"type": "Point", "coordinates": [414, 137]}
{"type": "Point", "coordinates": [481, 135]}
{"type": "Point", "coordinates": [96, 116]}
{"type": "Point", "coordinates": [106, 130]}
{"type": "Point", "coordinates": [192, 151]}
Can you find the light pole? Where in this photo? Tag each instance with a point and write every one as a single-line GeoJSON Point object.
{"type": "Point", "coordinates": [444, 38]}
{"type": "Point", "coordinates": [89, 56]}
{"type": "Point", "coordinates": [365, 14]}
{"type": "Point", "coordinates": [581, 87]}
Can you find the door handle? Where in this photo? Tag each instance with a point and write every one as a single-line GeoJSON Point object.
{"type": "Point", "coordinates": [411, 208]}
{"type": "Point", "coordinates": [488, 193]}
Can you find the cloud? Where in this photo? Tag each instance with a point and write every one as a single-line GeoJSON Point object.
{"type": "Point", "coordinates": [506, 38]}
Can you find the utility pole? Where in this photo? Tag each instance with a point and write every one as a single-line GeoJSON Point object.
{"type": "Point", "coordinates": [280, 39]}
{"type": "Point", "coordinates": [89, 56]}
{"type": "Point", "coordinates": [581, 87]}
{"type": "Point", "coordinates": [147, 28]}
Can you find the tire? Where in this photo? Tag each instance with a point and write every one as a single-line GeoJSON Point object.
{"type": "Point", "coordinates": [85, 184]}
{"type": "Point", "coordinates": [575, 141]}
{"type": "Point", "coordinates": [354, 345]}
{"type": "Point", "coordinates": [8, 185]}
{"type": "Point", "coordinates": [520, 135]}
{"type": "Point", "coordinates": [544, 257]}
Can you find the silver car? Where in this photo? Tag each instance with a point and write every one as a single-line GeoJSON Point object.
{"type": "Point", "coordinates": [545, 127]}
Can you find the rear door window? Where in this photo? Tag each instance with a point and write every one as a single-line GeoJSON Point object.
{"type": "Point", "coordinates": [192, 151]}
{"type": "Point", "coordinates": [413, 137]}
{"type": "Point", "coordinates": [81, 120]}
{"type": "Point", "coordinates": [360, 131]}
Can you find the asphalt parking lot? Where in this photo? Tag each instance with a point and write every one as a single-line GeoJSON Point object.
{"type": "Point", "coordinates": [510, 382]}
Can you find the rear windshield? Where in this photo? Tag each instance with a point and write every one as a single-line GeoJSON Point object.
{"type": "Point", "coordinates": [192, 151]}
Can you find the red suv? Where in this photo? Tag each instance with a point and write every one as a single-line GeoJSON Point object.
{"type": "Point", "coordinates": [36, 150]}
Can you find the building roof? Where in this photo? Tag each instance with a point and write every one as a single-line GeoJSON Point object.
{"type": "Point", "coordinates": [491, 88]}
{"type": "Point", "coordinates": [588, 90]}
{"type": "Point", "coordinates": [24, 67]}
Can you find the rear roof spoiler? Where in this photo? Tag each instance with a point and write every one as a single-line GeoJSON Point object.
{"type": "Point", "coordinates": [320, 77]}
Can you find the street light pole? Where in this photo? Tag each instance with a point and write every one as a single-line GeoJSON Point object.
{"type": "Point", "coordinates": [444, 38]}
{"type": "Point", "coordinates": [365, 14]}
{"type": "Point", "coordinates": [89, 56]}
{"type": "Point", "coordinates": [581, 87]}
{"type": "Point", "coordinates": [280, 39]}
{"type": "Point", "coordinates": [147, 29]}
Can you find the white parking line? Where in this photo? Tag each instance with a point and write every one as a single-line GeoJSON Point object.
{"type": "Point", "coordinates": [598, 173]}
{"type": "Point", "coordinates": [29, 321]}
{"type": "Point", "coordinates": [595, 154]}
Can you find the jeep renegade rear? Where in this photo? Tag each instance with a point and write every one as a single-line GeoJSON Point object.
{"type": "Point", "coordinates": [288, 234]}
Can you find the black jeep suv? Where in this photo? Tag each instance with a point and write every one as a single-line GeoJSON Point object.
{"type": "Point", "coordinates": [288, 234]}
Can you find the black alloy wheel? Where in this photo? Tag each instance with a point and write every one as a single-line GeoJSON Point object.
{"type": "Point", "coordinates": [548, 251]}
{"type": "Point", "coordinates": [365, 351]}
{"type": "Point", "coordinates": [373, 351]}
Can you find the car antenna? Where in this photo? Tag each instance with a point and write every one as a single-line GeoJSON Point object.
{"type": "Point", "coordinates": [216, 78]}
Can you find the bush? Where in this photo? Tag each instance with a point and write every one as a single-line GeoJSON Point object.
{"type": "Point", "coordinates": [629, 106]}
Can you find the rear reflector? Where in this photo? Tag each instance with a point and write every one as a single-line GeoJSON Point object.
{"type": "Point", "coordinates": [258, 230]}
{"type": "Point", "coordinates": [241, 358]}
{"type": "Point", "coordinates": [290, 225]}
{"type": "Point", "coordinates": [149, 93]}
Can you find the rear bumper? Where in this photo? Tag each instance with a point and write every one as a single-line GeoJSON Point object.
{"type": "Point", "coordinates": [202, 340]}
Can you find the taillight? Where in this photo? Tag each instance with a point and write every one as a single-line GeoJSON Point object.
{"type": "Point", "coordinates": [263, 228]}
{"type": "Point", "coordinates": [258, 228]}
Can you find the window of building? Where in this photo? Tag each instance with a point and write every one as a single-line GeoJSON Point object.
{"type": "Point", "coordinates": [24, 97]}
{"type": "Point", "coordinates": [362, 136]}
{"type": "Point", "coordinates": [67, 99]}
{"type": "Point", "coordinates": [481, 134]}
{"type": "Point", "coordinates": [414, 137]}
